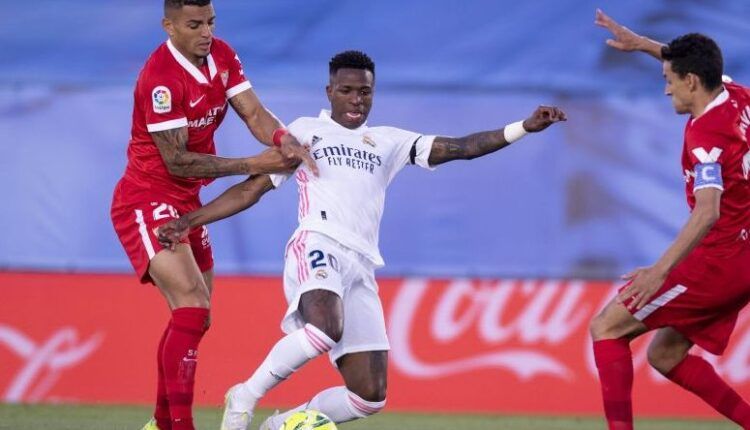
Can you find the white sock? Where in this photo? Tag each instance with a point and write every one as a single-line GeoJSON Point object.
{"type": "Point", "coordinates": [288, 355]}
{"type": "Point", "coordinates": [338, 403]}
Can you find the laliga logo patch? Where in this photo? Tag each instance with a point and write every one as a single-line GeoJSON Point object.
{"type": "Point", "coordinates": [162, 99]}
{"type": "Point", "coordinates": [321, 274]}
{"type": "Point", "coordinates": [224, 77]}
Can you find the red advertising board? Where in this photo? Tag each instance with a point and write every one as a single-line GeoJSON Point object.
{"type": "Point", "coordinates": [498, 346]}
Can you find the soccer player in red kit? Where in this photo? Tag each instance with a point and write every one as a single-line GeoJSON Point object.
{"type": "Point", "coordinates": [180, 99]}
{"type": "Point", "coordinates": [693, 293]}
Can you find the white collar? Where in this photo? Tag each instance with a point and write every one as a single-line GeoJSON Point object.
{"type": "Point", "coordinates": [190, 67]}
{"type": "Point", "coordinates": [326, 115]}
{"type": "Point", "coordinates": [719, 99]}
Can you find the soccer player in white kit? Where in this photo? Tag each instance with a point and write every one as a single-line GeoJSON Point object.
{"type": "Point", "coordinates": [329, 272]}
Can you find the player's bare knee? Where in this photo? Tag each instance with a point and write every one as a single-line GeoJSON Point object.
{"type": "Point", "coordinates": [200, 297]}
{"type": "Point", "coordinates": [332, 327]}
{"type": "Point", "coordinates": [330, 323]}
{"type": "Point", "coordinates": [615, 322]}
{"type": "Point", "coordinates": [335, 331]}
{"type": "Point", "coordinates": [193, 293]}
{"type": "Point", "coordinates": [599, 327]}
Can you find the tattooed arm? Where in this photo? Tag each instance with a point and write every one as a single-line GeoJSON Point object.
{"type": "Point", "coordinates": [262, 123]}
{"type": "Point", "coordinates": [466, 148]}
{"type": "Point", "coordinates": [180, 162]}
{"type": "Point", "coordinates": [475, 145]}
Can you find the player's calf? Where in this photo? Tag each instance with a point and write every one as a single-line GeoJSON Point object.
{"type": "Point", "coordinates": [667, 350]}
{"type": "Point", "coordinates": [611, 331]}
{"type": "Point", "coordinates": [365, 374]}
{"type": "Point", "coordinates": [373, 390]}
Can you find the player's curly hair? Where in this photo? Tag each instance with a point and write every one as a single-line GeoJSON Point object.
{"type": "Point", "coordinates": [351, 60]}
{"type": "Point", "coordinates": [697, 54]}
{"type": "Point", "coordinates": [178, 4]}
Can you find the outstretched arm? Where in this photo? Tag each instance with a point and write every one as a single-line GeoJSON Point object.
{"type": "Point", "coordinates": [625, 39]}
{"type": "Point", "coordinates": [475, 145]}
{"type": "Point", "coordinates": [232, 201]}
{"type": "Point", "coordinates": [180, 162]}
{"type": "Point", "coordinates": [268, 129]}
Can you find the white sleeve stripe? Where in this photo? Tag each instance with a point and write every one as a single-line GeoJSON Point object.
{"type": "Point", "coordinates": [144, 234]}
{"type": "Point", "coordinates": [167, 125]}
{"type": "Point", "coordinates": [660, 301]}
{"type": "Point", "coordinates": [700, 187]}
{"type": "Point", "coordinates": [242, 86]}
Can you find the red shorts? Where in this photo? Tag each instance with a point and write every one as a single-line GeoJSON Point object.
{"type": "Point", "coordinates": [701, 298]}
{"type": "Point", "coordinates": [137, 213]}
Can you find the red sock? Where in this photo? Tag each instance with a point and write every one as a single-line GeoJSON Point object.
{"type": "Point", "coordinates": [615, 364]}
{"type": "Point", "coordinates": [161, 413]}
{"type": "Point", "coordinates": [697, 375]}
{"type": "Point", "coordinates": [180, 357]}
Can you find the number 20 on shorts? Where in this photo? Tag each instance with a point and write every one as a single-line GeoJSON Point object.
{"type": "Point", "coordinates": [318, 259]}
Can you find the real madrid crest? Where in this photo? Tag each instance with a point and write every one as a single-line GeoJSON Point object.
{"type": "Point", "coordinates": [321, 274]}
{"type": "Point", "coordinates": [368, 140]}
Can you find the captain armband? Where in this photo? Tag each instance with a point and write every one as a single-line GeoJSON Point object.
{"type": "Point", "coordinates": [708, 175]}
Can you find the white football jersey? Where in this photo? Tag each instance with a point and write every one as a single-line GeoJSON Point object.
{"type": "Point", "coordinates": [346, 201]}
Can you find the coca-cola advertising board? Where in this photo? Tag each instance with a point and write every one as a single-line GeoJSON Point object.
{"type": "Point", "coordinates": [463, 345]}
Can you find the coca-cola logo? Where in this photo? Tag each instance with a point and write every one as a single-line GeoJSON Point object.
{"type": "Point", "coordinates": [550, 315]}
{"type": "Point", "coordinates": [43, 361]}
{"type": "Point", "coordinates": [527, 328]}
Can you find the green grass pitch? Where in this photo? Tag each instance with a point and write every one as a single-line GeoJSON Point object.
{"type": "Point", "coordinates": [75, 417]}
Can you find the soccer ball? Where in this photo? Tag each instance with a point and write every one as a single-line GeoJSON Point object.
{"type": "Point", "coordinates": [308, 420]}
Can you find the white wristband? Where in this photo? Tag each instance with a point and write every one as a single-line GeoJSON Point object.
{"type": "Point", "coordinates": [514, 131]}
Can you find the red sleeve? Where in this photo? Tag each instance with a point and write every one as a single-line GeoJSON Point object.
{"type": "Point", "coordinates": [705, 146]}
{"type": "Point", "coordinates": [161, 98]}
{"type": "Point", "coordinates": [709, 158]}
{"type": "Point", "coordinates": [236, 81]}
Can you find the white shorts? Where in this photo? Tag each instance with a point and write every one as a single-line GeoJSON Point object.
{"type": "Point", "coordinates": [315, 261]}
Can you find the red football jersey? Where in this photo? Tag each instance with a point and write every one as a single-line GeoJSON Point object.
{"type": "Point", "coordinates": [170, 93]}
{"type": "Point", "coordinates": [717, 142]}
